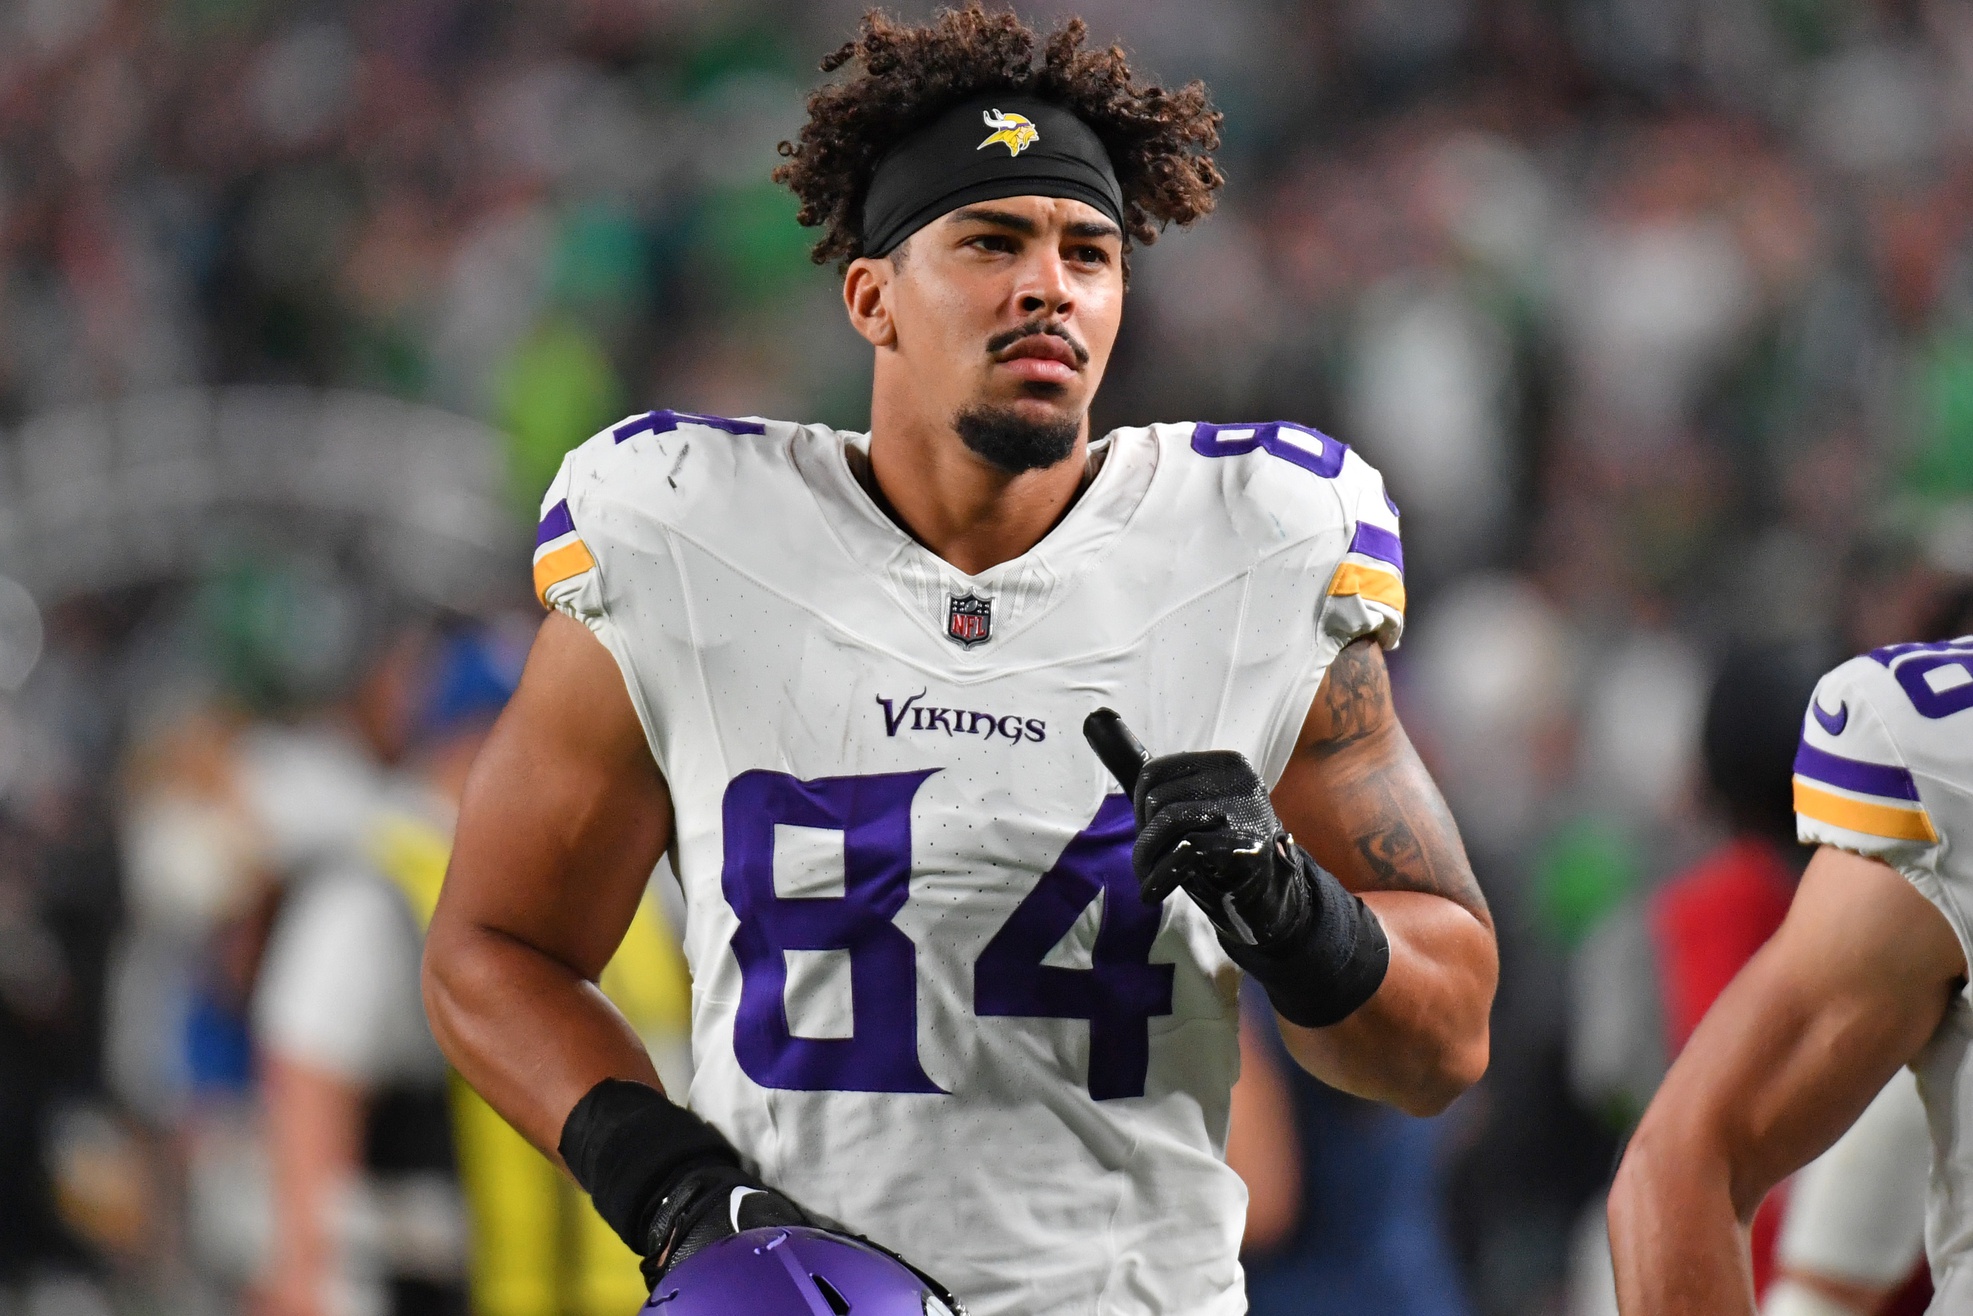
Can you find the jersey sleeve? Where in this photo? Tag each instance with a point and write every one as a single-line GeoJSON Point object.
{"type": "Point", "coordinates": [1853, 786]}
{"type": "Point", "coordinates": [565, 574]}
{"type": "Point", "coordinates": [1366, 590]}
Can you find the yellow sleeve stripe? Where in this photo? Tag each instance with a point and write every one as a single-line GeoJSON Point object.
{"type": "Point", "coordinates": [1370, 583]}
{"type": "Point", "coordinates": [550, 569]}
{"type": "Point", "coordinates": [1884, 820]}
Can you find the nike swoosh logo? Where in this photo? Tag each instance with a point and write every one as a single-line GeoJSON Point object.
{"type": "Point", "coordinates": [733, 1204]}
{"type": "Point", "coordinates": [1834, 722]}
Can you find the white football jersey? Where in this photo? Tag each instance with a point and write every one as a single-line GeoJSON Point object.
{"type": "Point", "coordinates": [927, 1000]}
{"type": "Point", "coordinates": [1886, 770]}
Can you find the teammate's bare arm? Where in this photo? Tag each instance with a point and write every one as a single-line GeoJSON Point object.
{"type": "Point", "coordinates": [1360, 801]}
{"type": "Point", "coordinates": [1855, 982]}
{"type": "Point", "coordinates": [563, 819]}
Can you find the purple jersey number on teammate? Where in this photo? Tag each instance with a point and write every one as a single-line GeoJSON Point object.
{"type": "Point", "coordinates": [1933, 696]}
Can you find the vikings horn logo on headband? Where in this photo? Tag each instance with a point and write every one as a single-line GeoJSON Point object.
{"type": "Point", "coordinates": [1013, 131]}
{"type": "Point", "coordinates": [927, 174]}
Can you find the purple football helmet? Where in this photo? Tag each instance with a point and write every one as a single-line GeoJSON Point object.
{"type": "Point", "coordinates": [795, 1271]}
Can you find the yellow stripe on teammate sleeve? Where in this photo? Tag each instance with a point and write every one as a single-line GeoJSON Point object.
{"type": "Point", "coordinates": [571, 559]}
{"type": "Point", "coordinates": [1884, 820]}
{"type": "Point", "coordinates": [1370, 583]}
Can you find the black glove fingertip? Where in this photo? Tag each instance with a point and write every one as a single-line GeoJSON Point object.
{"type": "Point", "coordinates": [1175, 870]}
{"type": "Point", "coordinates": [1163, 881]}
{"type": "Point", "coordinates": [1169, 829]}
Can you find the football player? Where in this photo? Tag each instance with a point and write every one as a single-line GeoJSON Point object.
{"type": "Point", "coordinates": [939, 999]}
{"type": "Point", "coordinates": [1867, 973]}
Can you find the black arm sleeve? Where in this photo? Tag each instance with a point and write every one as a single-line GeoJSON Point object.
{"type": "Point", "coordinates": [626, 1144]}
{"type": "Point", "coordinates": [1333, 964]}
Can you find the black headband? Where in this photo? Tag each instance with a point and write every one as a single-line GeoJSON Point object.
{"type": "Point", "coordinates": [981, 150]}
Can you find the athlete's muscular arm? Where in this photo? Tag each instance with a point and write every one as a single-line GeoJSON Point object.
{"type": "Point", "coordinates": [564, 817]}
{"type": "Point", "coordinates": [1852, 985]}
{"type": "Point", "coordinates": [1359, 800]}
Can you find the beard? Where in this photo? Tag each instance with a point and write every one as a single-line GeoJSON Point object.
{"type": "Point", "coordinates": [1014, 444]}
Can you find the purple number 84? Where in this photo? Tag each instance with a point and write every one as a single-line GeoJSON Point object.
{"type": "Point", "coordinates": [1118, 994]}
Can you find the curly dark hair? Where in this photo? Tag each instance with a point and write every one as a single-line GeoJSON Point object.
{"type": "Point", "coordinates": [903, 77]}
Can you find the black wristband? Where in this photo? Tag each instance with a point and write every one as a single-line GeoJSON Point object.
{"type": "Point", "coordinates": [626, 1143]}
{"type": "Point", "coordinates": [1334, 964]}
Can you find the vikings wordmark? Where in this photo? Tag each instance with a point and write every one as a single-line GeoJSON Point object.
{"type": "Point", "coordinates": [914, 716]}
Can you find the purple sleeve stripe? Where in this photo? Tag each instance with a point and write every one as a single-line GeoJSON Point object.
{"type": "Point", "coordinates": [557, 523]}
{"type": "Point", "coordinates": [1375, 541]}
{"type": "Point", "coordinates": [1853, 775]}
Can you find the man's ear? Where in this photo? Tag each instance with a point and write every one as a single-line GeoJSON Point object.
{"type": "Point", "coordinates": [867, 298]}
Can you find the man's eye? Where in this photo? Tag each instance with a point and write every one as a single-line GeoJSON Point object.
{"type": "Point", "coordinates": [993, 242]}
{"type": "Point", "coordinates": [1090, 255]}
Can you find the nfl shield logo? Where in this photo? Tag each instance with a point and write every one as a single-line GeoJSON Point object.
{"type": "Point", "coordinates": [970, 620]}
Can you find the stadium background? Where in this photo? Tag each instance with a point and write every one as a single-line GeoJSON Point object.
{"type": "Point", "coordinates": [1656, 314]}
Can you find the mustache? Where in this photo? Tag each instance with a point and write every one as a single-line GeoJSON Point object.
{"type": "Point", "coordinates": [1002, 341]}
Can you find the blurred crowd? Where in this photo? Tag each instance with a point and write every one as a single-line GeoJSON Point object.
{"type": "Point", "coordinates": [1656, 314]}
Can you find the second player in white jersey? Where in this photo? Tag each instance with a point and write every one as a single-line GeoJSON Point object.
{"type": "Point", "coordinates": [1868, 973]}
{"type": "Point", "coordinates": [929, 1001]}
{"type": "Point", "coordinates": [1886, 770]}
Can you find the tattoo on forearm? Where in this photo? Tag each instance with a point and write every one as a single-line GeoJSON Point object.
{"type": "Point", "coordinates": [1396, 820]}
{"type": "Point", "coordinates": [1399, 858]}
{"type": "Point", "coordinates": [1392, 851]}
{"type": "Point", "coordinates": [1356, 695]}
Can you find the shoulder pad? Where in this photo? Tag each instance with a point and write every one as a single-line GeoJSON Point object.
{"type": "Point", "coordinates": [663, 422]}
{"type": "Point", "coordinates": [564, 562]}
{"type": "Point", "coordinates": [1862, 736]}
{"type": "Point", "coordinates": [1366, 589]}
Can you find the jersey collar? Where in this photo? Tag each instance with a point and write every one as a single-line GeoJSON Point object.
{"type": "Point", "coordinates": [1022, 588]}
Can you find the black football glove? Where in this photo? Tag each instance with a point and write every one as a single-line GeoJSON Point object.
{"type": "Point", "coordinates": [667, 1182]}
{"type": "Point", "coordinates": [671, 1185]}
{"type": "Point", "coordinates": [719, 1201]}
{"type": "Point", "coordinates": [1205, 823]}
{"type": "Point", "coordinates": [711, 1202]}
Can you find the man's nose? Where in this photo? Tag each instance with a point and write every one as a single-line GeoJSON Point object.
{"type": "Point", "coordinates": [1044, 287]}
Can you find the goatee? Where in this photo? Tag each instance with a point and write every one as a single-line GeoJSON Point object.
{"type": "Point", "coordinates": [1012, 442]}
